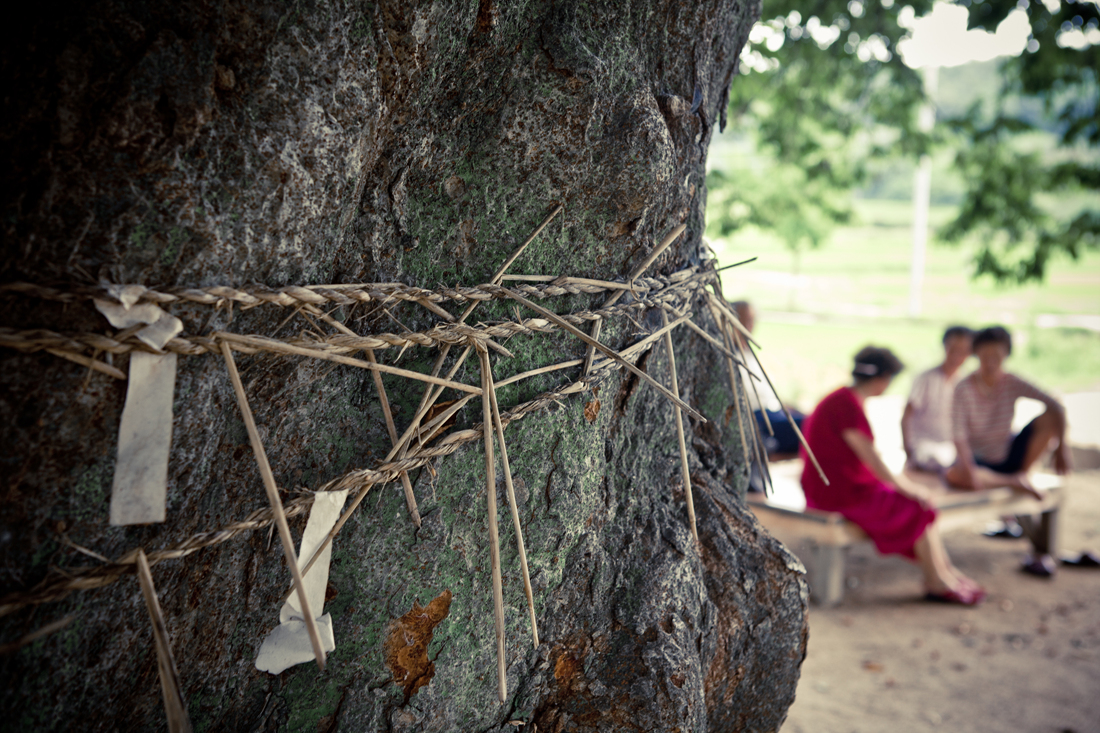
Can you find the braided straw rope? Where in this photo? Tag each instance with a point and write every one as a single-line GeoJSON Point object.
{"type": "Point", "coordinates": [669, 293]}
{"type": "Point", "coordinates": [665, 293]}
{"type": "Point", "coordinates": [30, 341]}
{"type": "Point", "coordinates": [57, 587]}
{"type": "Point", "coordinates": [297, 295]}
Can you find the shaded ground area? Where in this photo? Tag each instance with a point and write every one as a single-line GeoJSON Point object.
{"type": "Point", "coordinates": [1026, 660]}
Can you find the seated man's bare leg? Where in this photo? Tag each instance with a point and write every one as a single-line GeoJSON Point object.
{"type": "Point", "coordinates": [1044, 429]}
{"type": "Point", "coordinates": [957, 478]}
{"type": "Point", "coordinates": [1020, 482]}
{"type": "Point", "coordinates": [979, 477]}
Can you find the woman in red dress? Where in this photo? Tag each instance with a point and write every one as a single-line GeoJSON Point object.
{"type": "Point", "coordinates": [891, 509]}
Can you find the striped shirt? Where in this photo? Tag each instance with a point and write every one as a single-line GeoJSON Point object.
{"type": "Point", "coordinates": [982, 415]}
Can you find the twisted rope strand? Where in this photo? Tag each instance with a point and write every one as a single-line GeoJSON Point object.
{"type": "Point", "coordinates": [296, 295]}
{"type": "Point", "coordinates": [30, 341]}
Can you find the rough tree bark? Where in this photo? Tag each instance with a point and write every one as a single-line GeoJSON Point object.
{"type": "Point", "coordinates": [224, 142]}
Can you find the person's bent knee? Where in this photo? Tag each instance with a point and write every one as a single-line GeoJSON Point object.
{"type": "Point", "coordinates": [958, 478]}
{"type": "Point", "coordinates": [1050, 420]}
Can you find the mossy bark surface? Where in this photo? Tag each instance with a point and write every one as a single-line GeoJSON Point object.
{"type": "Point", "coordinates": [226, 143]}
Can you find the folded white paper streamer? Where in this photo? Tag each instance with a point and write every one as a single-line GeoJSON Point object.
{"type": "Point", "coordinates": [161, 326]}
{"type": "Point", "coordinates": [128, 295]}
{"type": "Point", "coordinates": [288, 644]}
{"type": "Point", "coordinates": [144, 441]}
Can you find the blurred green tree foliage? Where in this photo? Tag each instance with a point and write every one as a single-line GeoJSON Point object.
{"type": "Point", "coordinates": [822, 91]}
{"type": "Point", "coordinates": [1060, 67]}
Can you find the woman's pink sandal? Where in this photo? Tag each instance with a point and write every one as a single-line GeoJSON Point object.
{"type": "Point", "coordinates": [962, 596]}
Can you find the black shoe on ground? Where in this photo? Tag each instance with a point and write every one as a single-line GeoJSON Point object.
{"type": "Point", "coordinates": [1042, 566]}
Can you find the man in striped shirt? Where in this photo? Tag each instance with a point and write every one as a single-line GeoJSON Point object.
{"type": "Point", "coordinates": [988, 454]}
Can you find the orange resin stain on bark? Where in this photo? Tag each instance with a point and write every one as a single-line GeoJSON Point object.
{"type": "Point", "coordinates": [407, 641]}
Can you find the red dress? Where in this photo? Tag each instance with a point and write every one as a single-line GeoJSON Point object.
{"type": "Point", "coordinates": [892, 520]}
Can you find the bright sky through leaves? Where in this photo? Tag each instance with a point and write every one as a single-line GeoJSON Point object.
{"type": "Point", "coordinates": [941, 38]}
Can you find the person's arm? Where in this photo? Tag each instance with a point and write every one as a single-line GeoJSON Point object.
{"type": "Point", "coordinates": [917, 401]}
{"type": "Point", "coordinates": [964, 471]}
{"type": "Point", "coordinates": [907, 431]}
{"type": "Point", "coordinates": [1063, 456]}
{"type": "Point", "coordinates": [864, 449]}
{"type": "Point", "coordinates": [1062, 460]}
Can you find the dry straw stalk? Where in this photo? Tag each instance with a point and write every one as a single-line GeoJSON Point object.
{"type": "Point", "coordinates": [494, 538]}
{"type": "Point", "coordinates": [267, 344]}
{"type": "Point", "coordinates": [608, 352]}
{"type": "Point", "coordinates": [35, 635]}
{"type": "Point", "coordinates": [636, 273]}
{"type": "Point", "coordinates": [790, 419]}
{"type": "Point", "coordinates": [174, 706]}
{"type": "Point", "coordinates": [276, 505]}
{"type": "Point", "coordinates": [512, 504]}
{"type": "Point", "coordinates": [410, 497]}
{"type": "Point", "coordinates": [429, 398]}
{"type": "Point", "coordinates": [685, 471]}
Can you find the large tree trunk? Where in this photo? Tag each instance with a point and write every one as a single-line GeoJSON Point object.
{"type": "Point", "coordinates": [192, 144]}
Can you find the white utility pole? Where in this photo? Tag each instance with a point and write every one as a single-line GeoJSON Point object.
{"type": "Point", "coordinates": [922, 195]}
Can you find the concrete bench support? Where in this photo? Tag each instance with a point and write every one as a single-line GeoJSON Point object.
{"type": "Point", "coordinates": [825, 572]}
{"type": "Point", "coordinates": [1042, 530]}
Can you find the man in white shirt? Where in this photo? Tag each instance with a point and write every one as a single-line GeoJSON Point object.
{"type": "Point", "coordinates": [926, 422]}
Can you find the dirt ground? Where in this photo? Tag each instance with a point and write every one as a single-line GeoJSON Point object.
{"type": "Point", "coordinates": [1027, 660]}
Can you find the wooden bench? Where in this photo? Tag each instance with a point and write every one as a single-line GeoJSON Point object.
{"type": "Point", "coordinates": [821, 539]}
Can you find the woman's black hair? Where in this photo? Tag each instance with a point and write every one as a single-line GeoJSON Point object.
{"type": "Point", "coordinates": [875, 361]}
{"type": "Point", "coordinates": [993, 335]}
{"type": "Point", "coordinates": [956, 332]}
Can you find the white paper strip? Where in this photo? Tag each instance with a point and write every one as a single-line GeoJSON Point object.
{"type": "Point", "coordinates": [288, 644]}
{"type": "Point", "coordinates": [144, 441]}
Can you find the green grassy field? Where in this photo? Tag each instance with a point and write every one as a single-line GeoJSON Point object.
{"type": "Point", "coordinates": [855, 290]}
